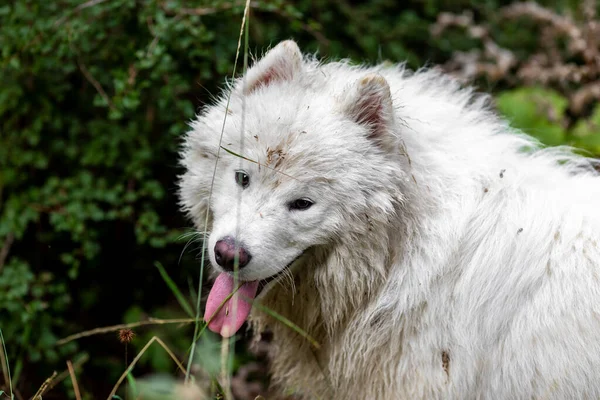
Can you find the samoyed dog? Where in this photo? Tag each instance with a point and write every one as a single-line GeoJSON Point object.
{"type": "Point", "coordinates": [421, 248]}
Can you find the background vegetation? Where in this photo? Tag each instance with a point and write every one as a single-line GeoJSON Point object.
{"type": "Point", "coordinates": [94, 97]}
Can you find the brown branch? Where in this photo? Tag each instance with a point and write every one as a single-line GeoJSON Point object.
{"type": "Point", "coordinates": [45, 386]}
{"type": "Point", "coordinates": [94, 83]}
{"type": "Point", "coordinates": [561, 24]}
{"type": "Point", "coordinates": [494, 62]}
{"type": "Point", "coordinates": [55, 379]}
{"type": "Point", "coordinates": [584, 96]}
{"type": "Point", "coordinates": [63, 375]}
{"type": "Point", "coordinates": [572, 68]}
{"type": "Point", "coordinates": [86, 73]}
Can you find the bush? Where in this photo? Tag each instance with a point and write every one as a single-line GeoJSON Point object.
{"type": "Point", "coordinates": [94, 98]}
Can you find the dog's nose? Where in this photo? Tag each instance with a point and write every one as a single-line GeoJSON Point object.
{"type": "Point", "coordinates": [225, 250]}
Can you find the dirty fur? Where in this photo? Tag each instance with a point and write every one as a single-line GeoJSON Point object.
{"type": "Point", "coordinates": [445, 255]}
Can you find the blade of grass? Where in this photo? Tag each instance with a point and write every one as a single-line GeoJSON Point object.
{"type": "Point", "coordinates": [227, 345]}
{"type": "Point", "coordinates": [5, 365]}
{"type": "Point", "coordinates": [176, 292]}
{"type": "Point", "coordinates": [132, 384]}
{"type": "Point", "coordinates": [233, 153]}
{"type": "Point", "coordinates": [286, 322]}
{"type": "Point", "coordinates": [212, 184]}
{"type": "Point", "coordinates": [192, 290]}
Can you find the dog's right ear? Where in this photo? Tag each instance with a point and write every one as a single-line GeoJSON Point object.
{"type": "Point", "coordinates": [369, 103]}
{"type": "Point", "coordinates": [283, 62]}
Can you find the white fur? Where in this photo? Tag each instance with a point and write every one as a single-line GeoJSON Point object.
{"type": "Point", "coordinates": [445, 255]}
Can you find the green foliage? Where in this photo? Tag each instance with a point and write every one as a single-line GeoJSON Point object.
{"type": "Point", "coordinates": [536, 111]}
{"type": "Point", "coordinates": [185, 305]}
{"type": "Point", "coordinates": [541, 112]}
{"type": "Point", "coordinates": [94, 97]}
{"type": "Point", "coordinates": [93, 100]}
{"type": "Point", "coordinates": [586, 133]}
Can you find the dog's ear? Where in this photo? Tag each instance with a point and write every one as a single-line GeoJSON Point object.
{"type": "Point", "coordinates": [283, 62]}
{"type": "Point", "coordinates": [369, 103]}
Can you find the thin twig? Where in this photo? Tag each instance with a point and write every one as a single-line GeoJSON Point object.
{"type": "Point", "coordinates": [137, 358]}
{"type": "Point", "coordinates": [80, 7]}
{"type": "Point", "coordinates": [45, 386]}
{"type": "Point", "coordinates": [74, 380]}
{"type": "Point", "coordinates": [56, 379]}
{"type": "Point", "coordinates": [90, 78]}
{"type": "Point", "coordinates": [200, 11]}
{"type": "Point", "coordinates": [108, 329]}
{"type": "Point", "coordinates": [94, 83]}
{"type": "Point", "coordinates": [88, 4]}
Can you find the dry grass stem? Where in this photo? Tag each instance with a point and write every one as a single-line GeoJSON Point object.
{"type": "Point", "coordinates": [114, 328]}
{"type": "Point", "coordinates": [137, 358]}
{"type": "Point", "coordinates": [73, 380]}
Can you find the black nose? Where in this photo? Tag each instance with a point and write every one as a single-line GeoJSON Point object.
{"type": "Point", "coordinates": [225, 251]}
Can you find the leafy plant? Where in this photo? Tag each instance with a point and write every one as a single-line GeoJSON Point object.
{"type": "Point", "coordinates": [94, 96]}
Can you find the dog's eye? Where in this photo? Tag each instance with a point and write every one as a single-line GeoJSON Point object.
{"type": "Point", "coordinates": [300, 204]}
{"type": "Point", "coordinates": [242, 179]}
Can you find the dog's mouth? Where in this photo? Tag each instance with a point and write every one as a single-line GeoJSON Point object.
{"type": "Point", "coordinates": [263, 283]}
{"type": "Point", "coordinates": [228, 307]}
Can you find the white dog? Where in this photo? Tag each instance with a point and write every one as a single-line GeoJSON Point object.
{"type": "Point", "coordinates": [431, 251]}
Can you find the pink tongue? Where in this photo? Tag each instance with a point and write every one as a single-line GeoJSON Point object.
{"type": "Point", "coordinates": [234, 312]}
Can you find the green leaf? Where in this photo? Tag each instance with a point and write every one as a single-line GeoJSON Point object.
{"type": "Point", "coordinates": [176, 292]}
{"type": "Point", "coordinates": [132, 385]}
{"type": "Point", "coordinates": [286, 322]}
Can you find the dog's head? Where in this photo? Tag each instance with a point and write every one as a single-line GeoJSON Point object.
{"type": "Point", "coordinates": [289, 159]}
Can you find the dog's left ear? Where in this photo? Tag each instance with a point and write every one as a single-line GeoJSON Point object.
{"type": "Point", "coordinates": [369, 103]}
{"type": "Point", "coordinates": [283, 62]}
